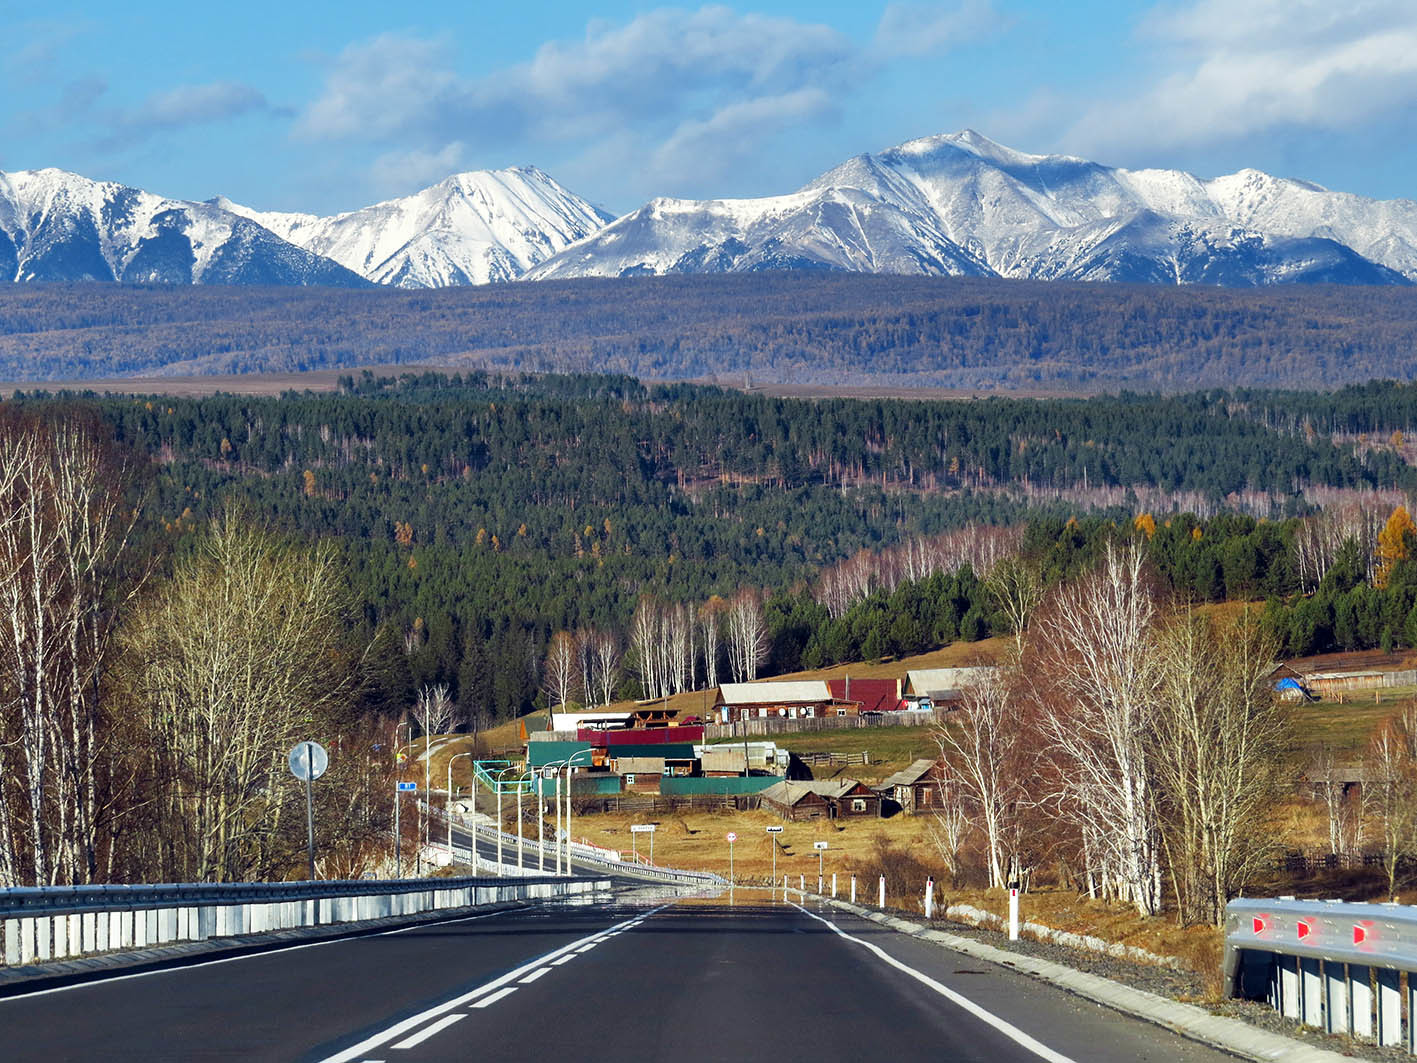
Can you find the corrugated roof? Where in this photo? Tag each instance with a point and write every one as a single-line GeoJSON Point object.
{"type": "Point", "coordinates": [539, 754]}
{"type": "Point", "coordinates": [663, 750]}
{"type": "Point", "coordinates": [782, 692]}
{"type": "Point", "coordinates": [933, 679]}
{"type": "Point", "coordinates": [909, 776]}
{"type": "Point", "coordinates": [790, 793]}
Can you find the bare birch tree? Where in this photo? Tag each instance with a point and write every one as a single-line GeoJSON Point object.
{"type": "Point", "coordinates": [64, 528]}
{"type": "Point", "coordinates": [558, 676]}
{"type": "Point", "coordinates": [1217, 750]}
{"type": "Point", "coordinates": [1095, 659]}
{"type": "Point", "coordinates": [606, 656]}
{"type": "Point", "coordinates": [984, 749]}
{"type": "Point", "coordinates": [232, 662]}
{"type": "Point", "coordinates": [747, 635]}
{"type": "Point", "coordinates": [710, 624]}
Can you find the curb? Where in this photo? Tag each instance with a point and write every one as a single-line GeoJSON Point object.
{"type": "Point", "coordinates": [1197, 1024]}
{"type": "Point", "coordinates": [35, 977]}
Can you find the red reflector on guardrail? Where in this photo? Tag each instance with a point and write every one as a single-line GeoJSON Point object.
{"type": "Point", "coordinates": [1261, 923]}
{"type": "Point", "coordinates": [1360, 932]}
{"type": "Point", "coordinates": [1305, 928]}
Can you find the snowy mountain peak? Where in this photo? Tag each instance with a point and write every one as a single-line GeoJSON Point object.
{"type": "Point", "coordinates": [476, 227]}
{"type": "Point", "coordinates": [962, 203]}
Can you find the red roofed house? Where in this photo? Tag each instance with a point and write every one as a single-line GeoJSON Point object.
{"type": "Point", "coordinates": [873, 695]}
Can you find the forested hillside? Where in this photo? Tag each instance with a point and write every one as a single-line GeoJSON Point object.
{"type": "Point", "coordinates": [799, 327]}
{"type": "Point", "coordinates": [480, 514]}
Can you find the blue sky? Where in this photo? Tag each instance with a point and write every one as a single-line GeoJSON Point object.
{"type": "Point", "coordinates": [325, 107]}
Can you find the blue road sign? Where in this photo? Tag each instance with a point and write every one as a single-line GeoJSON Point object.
{"type": "Point", "coordinates": [407, 787]}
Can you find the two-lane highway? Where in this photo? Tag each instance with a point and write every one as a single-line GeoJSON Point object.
{"type": "Point", "coordinates": [647, 979]}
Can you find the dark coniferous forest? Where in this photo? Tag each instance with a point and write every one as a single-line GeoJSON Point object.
{"type": "Point", "coordinates": [478, 514]}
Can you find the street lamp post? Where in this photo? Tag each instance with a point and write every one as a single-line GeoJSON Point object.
{"type": "Point", "coordinates": [450, 807]}
{"type": "Point", "coordinates": [522, 781]}
{"type": "Point", "coordinates": [498, 787]}
{"type": "Point", "coordinates": [569, 763]}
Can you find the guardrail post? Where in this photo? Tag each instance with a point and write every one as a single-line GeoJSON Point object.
{"type": "Point", "coordinates": [61, 937]}
{"type": "Point", "coordinates": [12, 943]}
{"type": "Point", "coordinates": [1389, 1007]}
{"type": "Point", "coordinates": [1335, 997]}
{"type": "Point", "coordinates": [1411, 1015]}
{"type": "Point", "coordinates": [43, 941]}
{"type": "Point", "coordinates": [1360, 1000]}
{"type": "Point", "coordinates": [88, 932]}
{"type": "Point", "coordinates": [1311, 992]}
{"type": "Point", "coordinates": [1288, 986]}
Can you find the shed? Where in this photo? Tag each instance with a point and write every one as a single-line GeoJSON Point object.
{"type": "Point", "coordinates": [916, 788]}
{"type": "Point", "coordinates": [829, 799]}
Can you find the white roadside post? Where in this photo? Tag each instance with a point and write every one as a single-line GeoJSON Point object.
{"type": "Point", "coordinates": [821, 847]}
{"type": "Point", "coordinates": [1013, 911]}
{"type": "Point", "coordinates": [930, 898]}
{"type": "Point", "coordinates": [732, 837]}
{"type": "Point", "coordinates": [833, 883]}
{"type": "Point", "coordinates": [853, 889]}
{"type": "Point", "coordinates": [883, 892]}
{"type": "Point", "coordinates": [773, 833]}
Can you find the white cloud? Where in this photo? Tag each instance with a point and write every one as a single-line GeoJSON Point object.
{"type": "Point", "coordinates": [914, 29]}
{"type": "Point", "coordinates": [398, 171]}
{"type": "Point", "coordinates": [711, 147]}
{"type": "Point", "coordinates": [675, 85]}
{"type": "Point", "coordinates": [177, 108]}
{"type": "Point", "coordinates": [1228, 70]}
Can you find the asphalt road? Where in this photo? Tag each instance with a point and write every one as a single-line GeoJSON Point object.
{"type": "Point", "coordinates": [645, 978]}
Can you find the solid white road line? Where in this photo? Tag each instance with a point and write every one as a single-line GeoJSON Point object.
{"type": "Point", "coordinates": [487, 1002]}
{"type": "Point", "coordinates": [428, 1031]}
{"type": "Point", "coordinates": [1005, 1027]}
{"type": "Point", "coordinates": [534, 976]}
{"type": "Point", "coordinates": [183, 969]}
{"type": "Point", "coordinates": [368, 1044]}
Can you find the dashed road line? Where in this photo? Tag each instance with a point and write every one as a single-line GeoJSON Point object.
{"type": "Point", "coordinates": [534, 976]}
{"type": "Point", "coordinates": [428, 1031]}
{"type": "Point", "coordinates": [487, 1002]}
{"type": "Point", "coordinates": [564, 959]}
{"type": "Point", "coordinates": [554, 958]}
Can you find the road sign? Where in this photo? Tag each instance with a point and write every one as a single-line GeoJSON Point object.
{"type": "Point", "coordinates": [641, 828]}
{"type": "Point", "coordinates": [819, 845]}
{"type": "Point", "coordinates": [548, 773]}
{"type": "Point", "coordinates": [774, 830]}
{"type": "Point", "coordinates": [308, 761]}
{"type": "Point", "coordinates": [408, 787]}
{"type": "Point", "coordinates": [732, 836]}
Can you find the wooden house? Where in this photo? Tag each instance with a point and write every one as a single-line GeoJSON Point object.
{"type": "Point", "coordinates": [916, 788]}
{"type": "Point", "coordinates": [826, 799]}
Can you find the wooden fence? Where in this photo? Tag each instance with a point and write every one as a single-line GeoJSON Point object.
{"type": "Point", "coordinates": [644, 804]}
{"type": "Point", "coordinates": [834, 758]}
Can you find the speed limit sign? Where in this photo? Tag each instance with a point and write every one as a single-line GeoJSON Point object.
{"type": "Point", "coordinates": [732, 836]}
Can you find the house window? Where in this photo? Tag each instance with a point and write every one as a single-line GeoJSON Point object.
{"type": "Point", "coordinates": [841, 712]}
{"type": "Point", "coordinates": [629, 780]}
{"type": "Point", "coordinates": [858, 804]}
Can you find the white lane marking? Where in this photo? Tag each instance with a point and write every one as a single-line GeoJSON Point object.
{"type": "Point", "coordinates": [592, 945]}
{"type": "Point", "coordinates": [1003, 1026]}
{"type": "Point", "coordinates": [182, 969]}
{"type": "Point", "coordinates": [534, 976]}
{"type": "Point", "coordinates": [428, 1031]}
{"type": "Point", "coordinates": [563, 959]}
{"type": "Point", "coordinates": [506, 991]}
{"type": "Point", "coordinates": [414, 1021]}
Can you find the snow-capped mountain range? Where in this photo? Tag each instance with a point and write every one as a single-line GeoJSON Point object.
{"type": "Point", "coordinates": [962, 204]}
{"type": "Point", "coordinates": [948, 205]}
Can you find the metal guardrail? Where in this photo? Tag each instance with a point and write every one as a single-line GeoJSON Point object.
{"type": "Point", "coordinates": [1341, 967]}
{"type": "Point", "coordinates": [593, 857]}
{"type": "Point", "coordinates": [58, 922]}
